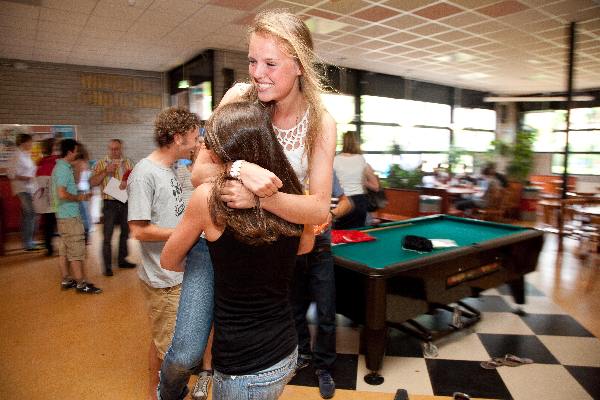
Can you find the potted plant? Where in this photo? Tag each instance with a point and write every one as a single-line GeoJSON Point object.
{"type": "Point", "coordinates": [521, 155]}
{"type": "Point", "coordinates": [400, 178]}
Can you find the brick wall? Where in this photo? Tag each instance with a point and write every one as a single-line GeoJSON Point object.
{"type": "Point", "coordinates": [103, 103]}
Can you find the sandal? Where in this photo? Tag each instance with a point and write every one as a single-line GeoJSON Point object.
{"type": "Point", "coordinates": [511, 360]}
{"type": "Point", "coordinates": [508, 360]}
{"type": "Point", "coordinates": [492, 364]}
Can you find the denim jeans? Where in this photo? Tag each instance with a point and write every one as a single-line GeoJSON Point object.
{"type": "Point", "coordinates": [314, 279]}
{"type": "Point", "coordinates": [27, 219]}
{"type": "Point", "coordinates": [194, 319]}
{"type": "Point", "coordinates": [267, 384]}
{"type": "Point", "coordinates": [114, 213]}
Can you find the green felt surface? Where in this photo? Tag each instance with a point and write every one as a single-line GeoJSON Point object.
{"type": "Point", "coordinates": [387, 249]}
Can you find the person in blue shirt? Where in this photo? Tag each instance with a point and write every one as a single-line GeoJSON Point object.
{"type": "Point", "coordinates": [68, 217]}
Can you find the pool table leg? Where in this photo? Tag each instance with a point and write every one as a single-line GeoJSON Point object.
{"type": "Point", "coordinates": [517, 289]}
{"type": "Point", "coordinates": [375, 331]}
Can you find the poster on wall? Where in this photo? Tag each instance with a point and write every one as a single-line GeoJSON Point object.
{"type": "Point", "coordinates": [9, 132]}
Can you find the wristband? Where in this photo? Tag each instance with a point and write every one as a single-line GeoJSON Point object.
{"type": "Point", "coordinates": [235, 169]}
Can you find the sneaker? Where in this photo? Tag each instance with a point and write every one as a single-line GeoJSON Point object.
{"type": "Point", "coordinates": [127, 264]}
{"type": "Point", "coordinates": [200, 390]}
{"type": "Point", "coordinates": [303, 361]}
{"type": "Point", "coordinates": [88, 288]}
{"type": "Point", "coordinates": [68, 284]}
{"type": "Point", "coordinates": [326, 383]}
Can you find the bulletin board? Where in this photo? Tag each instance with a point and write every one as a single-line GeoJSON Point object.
{"type": "Point", "coordinates": [9, 132]}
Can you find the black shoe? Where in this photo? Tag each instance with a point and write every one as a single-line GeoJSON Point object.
{"type": "Point", "coordinates": [326, 383]}
{"type": "Point", "coordinates": [88, 288]}
{"type": "Point", "coordinates": [108, 272]}
{"type": "Point", "coordinates": [68, 284]}
{"type": "Point", "coordinates": [303, 361]}
{"type": "Point", "coordinates": [127, 264]}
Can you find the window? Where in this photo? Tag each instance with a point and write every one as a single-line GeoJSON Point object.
{"type": "Point", "coordinates": [474, 128]}
{"type": "Point", "coordinates": [584, 138]}
{"type": "Point", "coordinates": [420, 129]}
{"type": "Point", "coordinates": [546, 123]}
{"type": "Point", "coordinates": [472, 140]}
{"type": "Point", "coordinates": [341, 108]}
{"type": "Point", "coordinates": [582, 164]}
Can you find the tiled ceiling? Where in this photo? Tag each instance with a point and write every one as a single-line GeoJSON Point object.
{"type": "Point", "coordinates": [501, 46]}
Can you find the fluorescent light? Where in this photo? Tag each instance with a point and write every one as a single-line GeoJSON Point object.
{"type": "Point", "coordinates": [323, 26]}
{"type": "Point", "coordinates": [462, 57]}
{"type": "Point", "coordinates": [473, 76]}
{"type": "Point", "coordinates": [454, 58]}
{"type": "Point", "coordinates": [500, 99]}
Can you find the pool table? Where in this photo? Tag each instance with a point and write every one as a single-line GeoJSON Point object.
{"type": "Point", "coordinates": [379, 284]}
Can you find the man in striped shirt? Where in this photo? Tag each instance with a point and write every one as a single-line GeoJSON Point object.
{"type": "Point", "coordinates": [116, 166]}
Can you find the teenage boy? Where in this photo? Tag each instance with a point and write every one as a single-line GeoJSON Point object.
{"type": "Point", "coordinates": [68, 218]}
{"type": "Point", "coordinates": [156, 205]}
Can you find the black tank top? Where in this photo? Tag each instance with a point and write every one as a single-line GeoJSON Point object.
{"type": "Point", "coordinates": [253, 321]}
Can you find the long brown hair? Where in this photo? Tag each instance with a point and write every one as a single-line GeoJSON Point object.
{"type": "Point", "coordinates": [295, 38]}
{"type": "Point", "coordinates": [243, 131]}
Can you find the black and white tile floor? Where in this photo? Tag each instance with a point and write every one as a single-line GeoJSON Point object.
{"type": "Point", "coordinates": [566, 356]}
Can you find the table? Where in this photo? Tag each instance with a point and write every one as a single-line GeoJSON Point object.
{"type": "Point", "coordinates": [379, 284]}
{"type": "Point", "coordinates": [449, 194]}
{"type": "Point", "coordinates": [592, 211]}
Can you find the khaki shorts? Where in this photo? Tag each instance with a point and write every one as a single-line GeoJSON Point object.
{"type": "Point", "coordinates": [162, 306]}
{"type": "Point", "coordinates": [72, 239]}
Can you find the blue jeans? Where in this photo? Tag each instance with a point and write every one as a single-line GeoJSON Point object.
{"type": "Point", "coordinates": [314, 279]}
{"type": "Point", "coordinates": [194, 319]}
{"type": "Point", "coordinates": [267, 384]}
{"type": "Point", "coordinates": [27, 219]}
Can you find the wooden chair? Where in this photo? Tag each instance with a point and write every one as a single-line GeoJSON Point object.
{"type": "Point", "coordinates": [584, 228]}
{"type": "Point", "coordinates": [495, 205]}
{"type": "Point", "coordinates": [513, 200]}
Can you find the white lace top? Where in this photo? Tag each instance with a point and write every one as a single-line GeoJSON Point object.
{"type": "Point", "coordinates": [293, 140]}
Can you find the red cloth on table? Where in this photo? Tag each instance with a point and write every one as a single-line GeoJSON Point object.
{"type": "Point", "coordinates": [349, 236]}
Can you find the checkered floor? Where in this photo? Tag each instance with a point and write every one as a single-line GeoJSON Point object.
{"type": "Point", "coordinates": [566, 356]}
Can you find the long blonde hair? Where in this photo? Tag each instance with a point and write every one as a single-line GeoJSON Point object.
{"type": "Point", "coordinates": [295, 38]}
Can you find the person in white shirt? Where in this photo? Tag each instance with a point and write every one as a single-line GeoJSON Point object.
{"type": "Point", "coordinates": [355, 176]}
{"type": "Point", "coordinates": [22, 174]}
